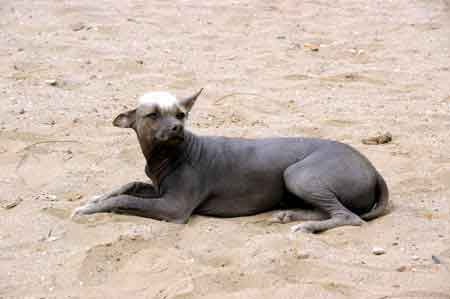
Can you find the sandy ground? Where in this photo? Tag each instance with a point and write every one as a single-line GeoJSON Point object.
{"type": "Point", "coordinates": [68, 67]}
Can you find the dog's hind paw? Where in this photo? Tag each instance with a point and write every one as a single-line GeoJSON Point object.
{"type": "Point", "coordinates": [282, 217]}
{"type": "Point", "coordinates": [320, 226]}
{"type": "Point", "coordinates": [303, 227]}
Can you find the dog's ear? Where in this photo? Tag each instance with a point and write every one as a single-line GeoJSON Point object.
{"type": "Point", "coordinates": [188, 102]}
{"type": "Point", "coordinates": [126, 119]}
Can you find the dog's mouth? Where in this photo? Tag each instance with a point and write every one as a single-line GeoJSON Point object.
{"type": "Point", "coordinates": [171, 140]}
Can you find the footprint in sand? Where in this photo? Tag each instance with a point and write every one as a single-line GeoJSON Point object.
{"type": "Point", "coordinates": [103, 260]}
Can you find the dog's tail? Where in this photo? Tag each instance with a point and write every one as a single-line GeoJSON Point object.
{"type": "Point", "coordinates": [382, 197]}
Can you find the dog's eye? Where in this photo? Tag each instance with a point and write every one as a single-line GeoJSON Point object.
{"type": "Point", "coordinates": [153, 115]}
{"type": "Point", "coordinates": [180, 115]}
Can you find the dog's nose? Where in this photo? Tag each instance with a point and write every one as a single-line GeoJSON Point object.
{"type": "Point", "coordinates": [177, 128]}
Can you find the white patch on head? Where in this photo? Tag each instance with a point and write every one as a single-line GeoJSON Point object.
{"type": "Point", "coordinates": [165, 101]}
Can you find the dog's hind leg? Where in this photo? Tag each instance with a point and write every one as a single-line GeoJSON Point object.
{"type": "Point", "coordinates": [308, 183]}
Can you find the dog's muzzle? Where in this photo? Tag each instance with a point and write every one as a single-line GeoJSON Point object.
{"type": "Point", "coordinates": [175, 135]}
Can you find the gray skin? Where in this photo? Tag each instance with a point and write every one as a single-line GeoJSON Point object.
{"type": "Point", "coordinates": [325, 182]}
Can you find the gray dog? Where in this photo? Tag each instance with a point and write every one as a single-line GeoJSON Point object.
{"type": "Point", "coordinates": [322, 181]}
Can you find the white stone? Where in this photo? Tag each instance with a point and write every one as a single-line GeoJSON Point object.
{"type": "Point", "coordinates": [378, 251]}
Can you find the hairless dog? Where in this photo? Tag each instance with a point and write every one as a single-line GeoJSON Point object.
{"type": "Point", "coordinates": [325, 182]}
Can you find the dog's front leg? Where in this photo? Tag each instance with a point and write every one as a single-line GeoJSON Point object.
{"type": "Point", "coordinates": [134, 188]}
{"type": "Point", "coordinates": [160, 208]}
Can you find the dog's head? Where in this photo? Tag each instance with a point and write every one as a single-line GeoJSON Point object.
{"type": "Point", "coordinates": [159, 118]}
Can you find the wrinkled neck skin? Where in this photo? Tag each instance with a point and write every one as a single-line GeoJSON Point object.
{"type": "Point", "coordinates": [162, 158]}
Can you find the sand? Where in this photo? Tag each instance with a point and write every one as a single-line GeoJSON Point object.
{"type": "Point", "coordinates": [346, 70]}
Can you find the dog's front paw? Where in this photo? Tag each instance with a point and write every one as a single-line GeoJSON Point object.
{"type": "Point", "coordinates": [88, 207]}
{"type": "Point", "coordinates": [83, 210]}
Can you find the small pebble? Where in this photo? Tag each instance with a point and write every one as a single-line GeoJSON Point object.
{"type": "Point", "coordinates": [436, 260]}
{"type": "Point", "coordinates": [401, 269]}
{"type": "Point", "coordinates": [378, 251]}
{"type": "Point", "coordinates": [52, 239]}
{"type": "Point", "coordinates": [51, 82]}
{"type": "Point", "coordinates": [135, 237]}
{"type": "Point", "coordinates": [13, 204]}
{"type": "Point", "coordinates": [72, 196]}
{"type": "Point", "coordinates": [303, 255]}
{"type": "Point", "coordinates": [22, 111]}
{"type": "Point", "coordinates": [77, 26]}
{"type": "Point", "coordinates": [311, 46]}
{"type": "Point", "coordinates": [415, 258]}
{"type": "Point", "coordinates": [380, 139]}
